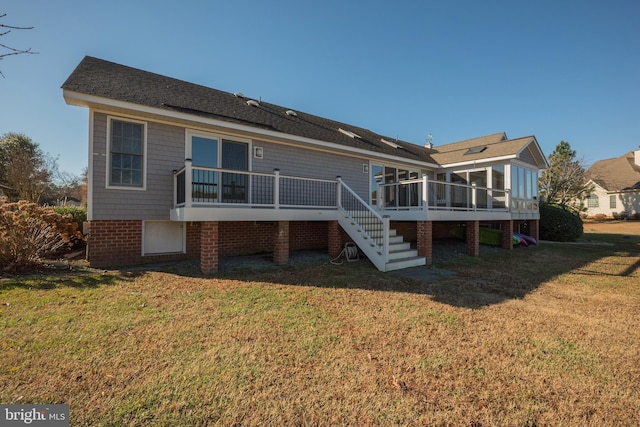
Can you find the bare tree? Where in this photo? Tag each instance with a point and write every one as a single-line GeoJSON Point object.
{"type": "Point", "coordinates": [6, 50]}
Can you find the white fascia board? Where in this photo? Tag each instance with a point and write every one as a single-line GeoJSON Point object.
{"type": "Point", "coordinates": [90, 101]}
{"type": "Point", "coordinates": [597, 185]}
{"type": "Point", "coordinates": [526, 165]}
{"type": "Point", "coordinates": [625, 191]}
{"type": "Point", "coordinates": [475, 163]}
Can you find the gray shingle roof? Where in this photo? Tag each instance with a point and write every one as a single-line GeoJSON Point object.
{"type": "Point", "coordinates": [489, 146]}
{"type": "Point", "coordinates": [106, 79]}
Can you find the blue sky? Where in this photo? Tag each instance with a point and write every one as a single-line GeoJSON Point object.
{"type": "Point", "coordinates": [560, 70]}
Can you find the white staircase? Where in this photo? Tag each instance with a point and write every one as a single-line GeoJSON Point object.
{"type": "Point", "coordinates": [386, 249]}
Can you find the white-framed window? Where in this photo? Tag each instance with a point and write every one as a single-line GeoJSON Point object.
{"type": "Point", "coordinates": [524, 188]}
{"type": "Point", "coordinates": [392, 196]}
{"type": "Point", "coordinates": [593, 201]}
{"type": "Point", "coordinates": [612, 201]}
{"type": "Point", "coordinates": [126, 153]}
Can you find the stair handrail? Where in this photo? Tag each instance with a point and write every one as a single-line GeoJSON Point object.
{"type": "Point", "coordinates": [384, 248]}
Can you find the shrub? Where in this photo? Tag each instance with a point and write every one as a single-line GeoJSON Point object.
{"type": "Point", "coordinates": [78, 215]}
{"type": "Point", "coordinates": [600, 217]}
{"type": "Point", "coordinates": [29, 232]}
{"type": "Point", "coordinates": [559, 224]}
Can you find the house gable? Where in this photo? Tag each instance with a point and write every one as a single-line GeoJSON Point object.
{"type": "Point", "coordinates": [617, 174]}
{"type": "Point", "coordinates": [496, 147]}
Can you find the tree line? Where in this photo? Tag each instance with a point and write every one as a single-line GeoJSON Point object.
{"type": "Point", "coordinates": [27, 173]}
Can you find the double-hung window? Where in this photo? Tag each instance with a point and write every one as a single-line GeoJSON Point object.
{"type": "Point", "coordinates": [126, 158]}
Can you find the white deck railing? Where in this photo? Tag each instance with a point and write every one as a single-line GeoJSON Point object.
{"type": "Point", "coordinates": [203, 186]}
{"type": "Point", "coordinates": [216, 187]}
{"type": "Point", "coordinates": [368, 223]}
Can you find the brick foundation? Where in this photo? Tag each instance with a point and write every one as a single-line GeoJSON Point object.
{"type": "Point", "coordinates": [308, 235]}
{"type": "Point", "coordinates": [441, 229]}
{"type": "Point", "coordinates": [245, 237]}
{"type": "Point", "coordinates": [407, 229]}
{"type": "Point", "coordinates": [114, 243]}
{"type": "Point", "coordinates": [254, 237]}
{"type": "Point", "coordinates": [119, 242]}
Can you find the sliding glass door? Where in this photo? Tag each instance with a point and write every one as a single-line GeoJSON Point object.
{"type": "Point", "coordinates": [210, 186]}
{"type": "Point", "coordinates": [234, 185]}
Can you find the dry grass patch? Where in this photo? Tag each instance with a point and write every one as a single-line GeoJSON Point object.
{"type": "Point", "coordinates": [537, 336]}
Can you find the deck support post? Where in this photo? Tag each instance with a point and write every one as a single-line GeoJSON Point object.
{"type": "Point", "coordinates": [507, 234]}
{"type": "Point", "coordinates": [425, 240]}
{"type": "Point", "coordinates": [473, 238]}
{"type": "Point", "coordinates": [281, 243]}
{"type": "Point", "coordinates": [534, 229]}
{"type": "Point", "coordinates": [334, 237]}
{"type": "Point", "coordinates": [209, 233]}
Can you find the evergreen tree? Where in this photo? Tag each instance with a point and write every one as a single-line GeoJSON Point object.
{"type": "Point", "coordinates": [564, 183]}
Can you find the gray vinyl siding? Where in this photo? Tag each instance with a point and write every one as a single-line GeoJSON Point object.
{"type": "Point", "coordinates": [526, 156]}
{"type": "Point", "coordinates": [296, 161]}
{"type": "Point", "coordinates": [165, 152]}
{"type": "Point", "coordinates": [165, 149]}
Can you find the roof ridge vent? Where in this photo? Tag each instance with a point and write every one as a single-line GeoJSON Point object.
{"type": "Point", "coordinates": [349, 133]}
{"type": "Point", "coordinates": [391, 144]}
{"type": "Point", "coordinates": [238, 94]}
{"type": "Point", "coordinates": [291, 113]}
{"type": "Point", "coordinates": [253, 103]}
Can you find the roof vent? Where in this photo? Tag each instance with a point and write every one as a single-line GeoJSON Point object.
{"type": "Point", "coordinates": [238, 94]}
{"type": "Point", "coordinates": [391, 144]}
{"type": "Point", "coordinates": [253, 103]}
{"type": "Point", "coordinates": [349, 133]}
{"type": "Point", "coordinates": [291, 113]}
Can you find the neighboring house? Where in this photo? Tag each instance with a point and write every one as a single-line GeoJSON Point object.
{"type": "Point", "coordinates": [616, 185]}
{"type": "Point", "coordinates": [177, 170]}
